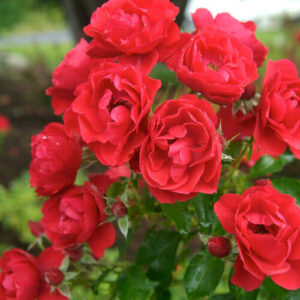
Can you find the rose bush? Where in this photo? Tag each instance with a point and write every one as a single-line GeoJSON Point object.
{"type": "Point", "coordinates": [154, 168]}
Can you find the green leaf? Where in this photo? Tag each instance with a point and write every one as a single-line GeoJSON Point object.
{"type": "Point", "coordinates": [116, 189]}
{"type": "Point", "coordinates": [207, 219]}
{"type": "Point", "coordinates": [96, 283]}
{"type": "Point", "coordinates": [294, 295]}
{"type": "Point", "coordinates": [288, 186]}
{"type": "Point", "coordinates": [65, 264]}
{"type": "Point", "coordinates": [202, 275]}
{"type": "Point", "coordinates": [223, 297]}
{"type": "Point", "coordinates": [158, 253]}
{"type": "Point", "coordinates": [273, 291]}
{"type": "Point", "coordinates": [179, 213]}
{"type": "Point", "coordinates": [133, 284]}
{"type": "Point", "coordinates": [123, 224]}
{"type": "Point", "coordinates": [268, 164]}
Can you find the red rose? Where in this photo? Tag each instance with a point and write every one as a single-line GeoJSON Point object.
{"type": "Point", "coordinates": [244, 32]}
{"type": "Point", "coordinates": [73, 217]}
{"type": "Point", "coordinates": [217, 65]}
{"type": "Point", "coordinates": [237, 125]}
{"type": "Point", "coordinates": [134, 27]}
{"type": "Point", "coordinates": [55, 160]}
{"type": "Point", "coordinates": [20, 276]}
{"type": "Point", "coordinates": [112, 111]}
{"type": "Point", "coordinates": [266, 227]}
{"type": "Point", "coordinates": [70, 73]}
{"type": "Point", "coordinates": [278, 112]}
{"type": "Point", "coordinates": [4, 124]}
{"type": "Point", "coordinates": [182, 155]}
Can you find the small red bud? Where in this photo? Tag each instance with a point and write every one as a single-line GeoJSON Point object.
{"type": "Point", "coordinates": [74, 252]}
{"type": "Point", "coordinates": [263, 182]}
{"type": "Point", "coordinates": [218, 246]}
{"type": "Point", "coordinates": [119, 209]}
{"type": "Point", "coordinates": [54, 276]}
{"type": "Point", "coordinates": [249, 91]}
{"type": "Point", "coordinates": [36, 228]}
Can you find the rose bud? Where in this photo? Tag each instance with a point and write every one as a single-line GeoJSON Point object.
{"type": "Point", "coordinates": [218, 246]}
{"type": "Point", "coordinates": [54, 276]}
{"type": "Point", "coordinates": [249, 91]}
{"type": "Point", "coordinates": [119, 209]}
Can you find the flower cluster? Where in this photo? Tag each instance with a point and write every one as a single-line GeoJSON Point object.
{"type": "Point", "coordinates": [113, 110]}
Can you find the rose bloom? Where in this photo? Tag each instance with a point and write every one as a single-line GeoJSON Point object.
{"type": "Point", "coordinates": [182, 154]}
{"type": "Point", "coordinates": [4, 124]}
{"type": "Point", "coordinates": [266, 227]}
{"type": "Point", "coordinates": [112, 111]}
{"type": "Point", "coordinates": [238, 125]}
{"type": "Point", "coordinates": [216, 64]}
{"type": "Point", "coordinates": [243, 31]}
{"type": "Point", "coordinates": [73, 217]}
{"type": "Point", "coordinates": [278, 112]}
{"type": "Point", "coordinates": [20, 276]}
{"type": "Point", "coordinates": [134, 27]}
{"type": "Point", "coordinates": [55, 160]}
{"type": "Point", "coordinates": [70, 73]}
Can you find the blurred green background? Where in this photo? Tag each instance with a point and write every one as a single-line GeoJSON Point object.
{"type": "Point", "coordinates": [34, 37]}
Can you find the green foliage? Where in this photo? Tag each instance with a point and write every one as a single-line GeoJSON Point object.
{"type": "Point", "coordinates": [179, 213]}
{"type": "Point", "coordinates": [203, 275]}
{"type": "Point", "coordinates": [158, 254]}
{"type": "Point", "coordinates": [288, 186]}
{"type": "Point", "coordinates": [19, 205]}
{"type": "Point", "coordinates": [134, 285]}
{"type": "Point", "coordinates": [268, 164]}
{"type": "Point", "coordinates": [207, 220]}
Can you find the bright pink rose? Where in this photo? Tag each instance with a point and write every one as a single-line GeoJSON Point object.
{"type": "Point", "coordinates": [75, 217]}
{"type": "Point", "coordinates": [278, 112]}
{"type": "Point", "coordinates": [55, 160]}
{"type": "Point", "coordinates": [243, 31]}
{"type": "Point", "coordinates": [239, 124]}
{"type": "Point", "coordinates": [112, 111]}
{"type": "Point", "coordinates": [266, 227]}
{"type": "Point", "coordinates": [20, 276]}
{"type": "Point", "coordinates": [182, 154]}
{"type": "Point", "coordinates": [70, 73]}
{"type": "Point", "coordinates": [133, 27]}
{"type": "Point", "coordinates": [216, 64]}
{"type": "Point", "coordinates": [4, 124]}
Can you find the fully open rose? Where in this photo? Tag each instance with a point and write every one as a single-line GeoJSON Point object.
{"type": "Point", "coordinates": [243, 31]}
{"type": "Point", "coordinates": [73, 218]}
{"type": "Point", "coordinates": [134, 27]}
{"type": "Point", "coordinates": [112, 111]}
{"type": "Point", "coordinates": [55, 160]}
{"type": "Point", "coordinates": [216, 64]}
{"type": "Point", "coordinates": [266, 226]}
{"type": "Point", "coordinates": [278, 112]}
{"type": "Point", "coordinates": [182, 155]}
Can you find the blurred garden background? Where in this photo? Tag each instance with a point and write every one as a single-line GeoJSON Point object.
{"type": "Point", "coordinates": [35, 35]}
